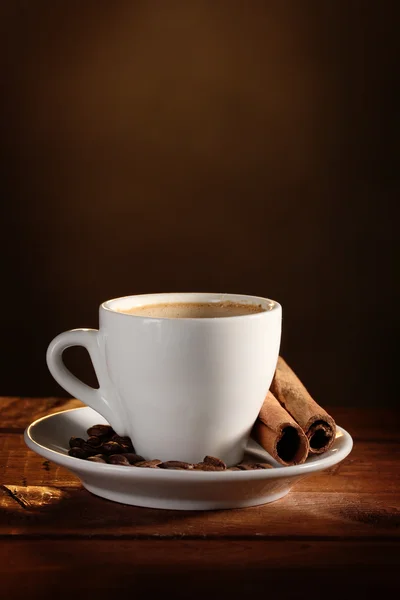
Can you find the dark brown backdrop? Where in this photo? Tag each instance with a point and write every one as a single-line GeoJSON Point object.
{"type": "Point", "coordinates": [186, 146]}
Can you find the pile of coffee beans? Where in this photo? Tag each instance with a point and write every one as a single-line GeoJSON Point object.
{"type": "Point", "coordinates": [105, 446]}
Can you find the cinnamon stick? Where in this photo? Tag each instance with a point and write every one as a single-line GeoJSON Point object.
{"type": "Point", "coordinates": [317, 424]}
{"type": "Point", "coordinates": [279, 434]}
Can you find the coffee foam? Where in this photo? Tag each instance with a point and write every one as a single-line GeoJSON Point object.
{"type": "Point", "coordinates": [193, 310]}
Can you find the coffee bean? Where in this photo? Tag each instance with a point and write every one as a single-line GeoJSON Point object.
{"type": "Point", "coordinates": [253, 466]}
{"type": "Point", "coordinates": [175, 464]}
{"type": "Point", "coordinates": [111, 448]}
{"type": "Point", "coordinates": [90, 451]}
{"type": "Point", "coordinates": [127, 448]}
{"type": "Point", "coordinates": [203, 466]}
{"type": "Point", "coordinates": [118, 459]}
{"type": "Point", "coordinates": [97, 459]}
{"type": "Point", "coordinates": [101, 431]}
{"type": "Point", "coordinates": [213, 461]}
{"type": "Point", "coordinates": [246, 466]}
{"type": "Point", "coordinates": [78, 453]}
{"type": "Point", "coordinates": [76, 442]}
{"type": "Point", "coordinates": [151, 464]}
{"type": "Point", "coordinates": [94, 441]}
{"type": "Point", "coordinates": [133, 458]}
{"type": "Point", "coordinates": [124, 441]}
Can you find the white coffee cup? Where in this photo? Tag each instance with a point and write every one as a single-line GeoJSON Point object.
{"type": "Point", "coordinates": [180, 388]}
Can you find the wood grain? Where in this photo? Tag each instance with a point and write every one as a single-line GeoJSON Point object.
{"type": "Point", "coordinates": [21, 466]}
{"type": "Point", "coordinates": [51, 512]}
{"type": "Point", "coordinates": [17, 413]}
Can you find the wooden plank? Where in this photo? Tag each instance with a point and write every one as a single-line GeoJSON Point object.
{"type": "Point", "coordinates": [17, 413]}
{"type": "Point", "coordinates": [39, 569]}
{"type": "Point", "coordinates": [53, 512]}
{"type": "Point", "coordinates": [369, 468]}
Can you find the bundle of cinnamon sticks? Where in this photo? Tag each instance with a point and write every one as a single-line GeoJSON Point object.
{"type": "Point", "coordinates": [291, 425]}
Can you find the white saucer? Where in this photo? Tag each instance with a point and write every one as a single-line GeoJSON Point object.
{"type": "Point", "coordinates": [180, 490]}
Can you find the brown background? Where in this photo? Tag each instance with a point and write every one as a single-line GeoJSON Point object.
{"type": "Point", "coordinates": [202, 146]}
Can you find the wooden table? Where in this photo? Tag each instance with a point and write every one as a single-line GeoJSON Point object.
{"type": "Point", "coordinates": [335, 535]}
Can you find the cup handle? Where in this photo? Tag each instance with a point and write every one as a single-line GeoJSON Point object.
{"type": "Point", "coordinates": [98, 399]}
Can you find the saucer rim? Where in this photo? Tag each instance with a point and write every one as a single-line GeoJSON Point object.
{"type": "Point", "coordinates": [280, 471]}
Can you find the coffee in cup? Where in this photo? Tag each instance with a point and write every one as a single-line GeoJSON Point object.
{"type": "Point", "coordinates": [183, 375]}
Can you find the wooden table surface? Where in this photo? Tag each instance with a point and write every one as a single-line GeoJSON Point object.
{"type": "Point", "coordinates": [336, 534]}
